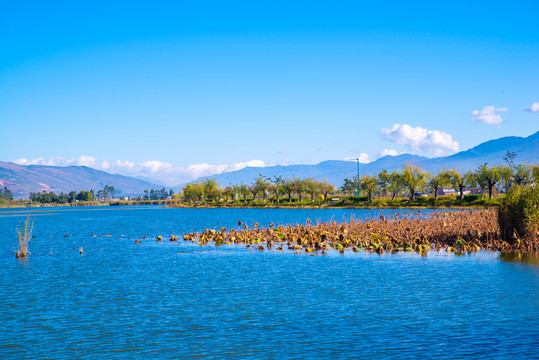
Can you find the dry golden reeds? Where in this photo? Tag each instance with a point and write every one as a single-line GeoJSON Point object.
{"type": "Point", "coordinates": [24, 234]}
{"type": "Point", "coordinates": [462, 231]}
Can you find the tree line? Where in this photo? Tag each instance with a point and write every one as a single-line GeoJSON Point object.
{"type": "Point", "coordinates": [408, 182]}
{"type": "Point", "coordinates": [45, 197]}
{"type": "Point", "coordinates": [152, 194]}
{"type": "Point", "coordinates": [412, 180]}
{"type": "Point", "coordinates": [262, 188]}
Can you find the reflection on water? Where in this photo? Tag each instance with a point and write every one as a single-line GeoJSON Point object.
{"type": "Point", "coordinates": [531, 258]}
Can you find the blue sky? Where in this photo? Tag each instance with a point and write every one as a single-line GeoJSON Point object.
{"type": "Point", "coordinates": [175, 90]}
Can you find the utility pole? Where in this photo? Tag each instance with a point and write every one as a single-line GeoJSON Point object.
{"type": "Point", "coordinates": [357, 179]}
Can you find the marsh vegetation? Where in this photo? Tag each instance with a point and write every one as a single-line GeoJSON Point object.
{"type": "Point", "coordinates": [24, 234]}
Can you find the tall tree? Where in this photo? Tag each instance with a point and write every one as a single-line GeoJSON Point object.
{"type": "Point", "coordinates": [488, 176]}
{"type": "Point", "coordinates": [438, 181]}
{"type": "Point", "coordinates": [298, 185]}
{"type": "Point", "coordinates": [211, 189]}
{"type": "Point", "coordinates": [277, 186]}
{"type": "Point", "coordinates": [311, 187]}
{"type": "Point", "coordinates": [414, 178]}
{"type": "Point", "coordinates": [506, 175]}
{"type": "Point", "coordinates": [369, 184]}
{"type": "Point", "coordinates": [394, 183]}
{"type": "Point", "coordinates": [460, 181]}
{"type": "Point", "coordinates": [288, 187]}
{"type": "Point", "coordinates": [522, 174]}
{"type": "Point", "coordinates": [383, 181]}
{"type": "Point", "coordinates": [244, 191]}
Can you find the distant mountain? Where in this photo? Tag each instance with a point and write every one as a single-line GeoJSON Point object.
{"type": "Point", "coordinates": [335, 171]}
{"type": "Point", "coordinates": [22, 180]}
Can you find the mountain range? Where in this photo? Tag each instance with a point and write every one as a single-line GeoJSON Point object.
{"type": "Point", "coordinates": [22, 180]}
{"type": "Point", "coordinates": [335, 171]}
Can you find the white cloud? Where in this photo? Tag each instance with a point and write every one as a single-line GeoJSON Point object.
{"type": "Point", "coordinates": [390, 152]}
{"type": "Point", "coordinates": [488, 115]}
{"type": "Point", "coordinates": [363, 158]}
{"type": "Point", "coordinates": [422, 140]}
{"type": "Point", "coordinates": [533, 108]}
{"type": "Point", "coordinates": [158, 170]}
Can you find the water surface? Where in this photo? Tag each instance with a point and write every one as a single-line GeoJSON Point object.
{"type": "Point", "coordinates": [178, 300]}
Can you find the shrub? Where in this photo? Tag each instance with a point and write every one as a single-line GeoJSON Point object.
{"type": "Point", "coordinates": [472, 197]}
{"type": "Point", "coordinates": [24, 234]}
{"type": "Point", "coordinates": [446, 198]}
{"type": "Point", "coordinates": [518, 214]}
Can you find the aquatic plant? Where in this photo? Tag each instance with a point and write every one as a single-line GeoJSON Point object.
{"type": "Point", "coordinates": [518, 216]}
{"type": "Point", "coordinates": [459, 232]}
{"type": "Point", "coordinates": [24, 234]}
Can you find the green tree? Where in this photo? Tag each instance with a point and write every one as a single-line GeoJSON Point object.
{"type": "Point", "coordinates": [383, 181]}
{"type": "Point", "coordinates": [277, 187]}
{"type": "Point", "coordinates": [488, 177]}
{"type": "Point", "coordinates": [349, 186]}
{"type": "Point", "coordinates": [506, 175]}
{"type": "Point", "coordinates": [535, 174]}
{"type": "Point", "coordinates": [6, 194]}
{"type": "Point", "coordinates": [193, 192]}
{"type": "Point", "coordinates": [298, 186]}
{"type": "Point", "coordinates": [85, 195]}
{"type": "Point", "coordinates": [72, 197]}
{"type": "Point", "coordinates": [414, 178]}
{"type": "Point", "coordinates": [459, 181]}
{"type": "Point", "coordinates": [438, 181]}
{"type": "Point", "coordinates": [522, 174]}
{"type": "Point", "coordinates": [288, 187]}
{"type": "Point", "coordinates": [244, 191]}
{"type": "Point", "coordinates": [228, 192]}
{"type": "Point", "coordinates": [311, 187]}
{"type": "Point", "coordinates": [326, 188]}
{"type": "Point", "coordinates": [211, 189]}
{"type": "Point", "coordinates": [394, 183]}
{"type": "Point", "coordinates": [369, 184]}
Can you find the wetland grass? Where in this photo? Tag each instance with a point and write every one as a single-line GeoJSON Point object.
{"type": "Point", "coordinates": [24, 234]}
{"type": "Point", "coordinates": [518, 215]}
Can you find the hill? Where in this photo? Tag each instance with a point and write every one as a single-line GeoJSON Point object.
{"type": "Point", "coordinates": [335, 171]}
{"type": "Point", "coordinates": [22, 180]}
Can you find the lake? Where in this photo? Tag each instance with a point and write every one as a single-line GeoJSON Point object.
{"type": "Point", "coordinates": [170, 300]}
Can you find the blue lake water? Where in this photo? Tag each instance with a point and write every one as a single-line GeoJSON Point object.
{"type": "Point", "coordinates": [172, 300]}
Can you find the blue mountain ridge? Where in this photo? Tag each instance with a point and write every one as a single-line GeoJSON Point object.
{"type": "Point", "coordinates": [22, 180]}
{"type": "Point", "coordinates": [335, 171]}
{"type": "Point", "coordinates": [34, 178]}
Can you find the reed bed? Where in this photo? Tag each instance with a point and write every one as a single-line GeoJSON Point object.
{"type": "Point", "coordinates": [459, 232]}
{"type": "Point", "coordinates": [24, 234]}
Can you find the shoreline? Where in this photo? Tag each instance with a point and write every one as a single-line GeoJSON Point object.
{"type": "Point", "coordinates": [267, 206]}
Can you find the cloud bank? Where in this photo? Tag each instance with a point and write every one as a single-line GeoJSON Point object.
{"type": "Point", "coordinates": [488, 115]}
{"type": "Point", "coordinates": [422, 140]}
{"type": "Point", "coordinates": [363, 158]}
{"type": "Point", "coordinates": [533, 108]}
{"type": "Point", "coordinates": [386, 152]}
{"type": "Point", "coordinates": [155, 170]}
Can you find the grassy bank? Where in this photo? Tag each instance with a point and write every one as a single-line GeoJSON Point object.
{"type": "Point", "coordinates": [472, 202]}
